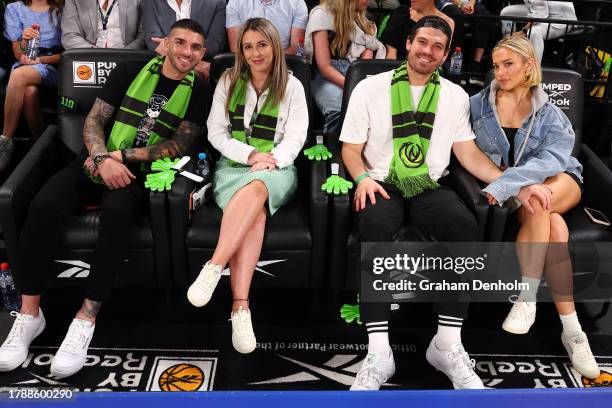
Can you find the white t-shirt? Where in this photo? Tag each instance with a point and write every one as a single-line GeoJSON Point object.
{"type": "Point", "coordinates": [368, 120]}
{"type": "Point", "coordinates": [182, 11]}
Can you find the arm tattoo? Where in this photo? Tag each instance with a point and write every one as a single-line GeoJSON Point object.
{"type": "Point", "coordinates": [90, 308]}
{"type": "Point", "coordinates": [180, 144]}
{"type": "Point", "coordinates": [93, 131]}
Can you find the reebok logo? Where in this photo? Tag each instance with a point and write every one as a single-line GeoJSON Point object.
{"type": "Point", "coordinates": [258, 268]}
{"type": "Point", "coordinates": [78, 269]}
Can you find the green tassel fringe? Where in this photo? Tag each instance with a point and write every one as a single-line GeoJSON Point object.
{"type": "Point", "coordinates": [411, 186]}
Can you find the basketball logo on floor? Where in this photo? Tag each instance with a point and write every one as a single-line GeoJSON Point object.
{"type": "Point", "coordinates": [604, 380]}
{"type": "Point", "coordinates": [182, 374]}
{"type": "Point", "coordinates": [181, 377]}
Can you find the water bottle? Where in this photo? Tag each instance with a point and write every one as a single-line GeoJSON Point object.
{"type": "Point", "coordinates": [33, 45]}
{"type": "Point", "coordinates": [456, 61]}
{"type": "Point", "coordinates": [300, 51]}
{"type": "Point", "coordinates": [202, 168]}
{"type": "Point", "coordinates": [10, 295]}
{"type": "Point", "coordinates": [506, 28]}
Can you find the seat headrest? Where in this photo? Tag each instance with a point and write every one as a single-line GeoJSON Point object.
{"type": "Point", "coordinates": [83, 73]}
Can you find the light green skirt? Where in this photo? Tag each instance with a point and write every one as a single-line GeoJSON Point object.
{"type": "Point", "coordinates": [228, 178]}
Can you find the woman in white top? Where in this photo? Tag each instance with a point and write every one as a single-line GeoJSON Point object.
{"type": "Point", "coordinates": [258, 121]}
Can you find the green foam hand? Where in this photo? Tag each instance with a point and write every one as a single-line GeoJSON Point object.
{"type": "Point", "coordinates": [350, 313]}
{"type": "Point", "coordinates": [336, 185]}
{"type": "Point", "coordinates": [160, 181]}
{"type": "Point", "coordinates": [164, 164]}
{"type": "Point", "coordinates": [318, 152]}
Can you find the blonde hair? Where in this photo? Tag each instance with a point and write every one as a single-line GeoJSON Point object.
{"type": "Point", "coordinates": [277, 80]}
{"type": "Point", "coordinates": [345, 16]}
{"type": "Point", "coordinates": [520, 44]}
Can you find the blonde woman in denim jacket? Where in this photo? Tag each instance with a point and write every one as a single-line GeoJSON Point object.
{"type": "Point", "coordinates": [531, 140]}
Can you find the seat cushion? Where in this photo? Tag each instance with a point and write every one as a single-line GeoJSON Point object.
{"type": "Point", "coordinates": [81, 231]}
{"type": "Point", "coordinates": [288, 229]}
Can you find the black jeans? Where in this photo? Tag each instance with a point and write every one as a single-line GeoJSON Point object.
{"type": "Point", "coordinates": [67, 192]}
{"type": "Point", "coordinates": [437, 213]}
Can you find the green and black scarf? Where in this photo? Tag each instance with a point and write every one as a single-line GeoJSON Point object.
{"type": "Point", "coordinates": [136, 101]}
{"type": "Point", "coordinates": [412, 133]}
{"type": "Point", "coordinates": [263, 128]}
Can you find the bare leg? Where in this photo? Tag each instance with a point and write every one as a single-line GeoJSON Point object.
{"type": "Point", "coordinates": [89, 310]}
{"type": "Point", "coordinates": [239, 215]}
{"type": "Point", "coordinates": [532, 239]}
{"type": "Point", "coordinates": [559, 273]}
{"type": "Point", "coordinates": [19, 80]}
{"type": "Point", "coordinates": [244, 261]}
{"type": "Point", "coordinates": [32, 111]}
{"type": "Point", "coordinates": [30, 304]}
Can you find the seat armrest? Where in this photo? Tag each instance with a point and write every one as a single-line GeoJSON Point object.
{"type": "Point", "coordinates": [468, 189]}
{"type": "Point", "coordinates": [597, 181]}
{"type": "Point", "coordinates": [22, 185]}
{"type": "Point", "coordinates": [178, 212]}
{"type": "Point", "coordinates": [319, 223]}
{"type": "Point", "coordinates": [339, 223]}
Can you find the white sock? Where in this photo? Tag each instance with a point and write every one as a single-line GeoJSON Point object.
{"type": "Point", "coordinates": [571, 325]}
{"type": "Point", "coordinates": [378, 339]}
{"type": "Point", "coordinates": [531, 294]}
{"type": "Point", "coordinates": [449, 332]}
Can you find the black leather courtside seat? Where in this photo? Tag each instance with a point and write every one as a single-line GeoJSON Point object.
{"type": "Point", "coordinates": [294, 247]}
{"type": "Point", "coordinates": [82, 74]}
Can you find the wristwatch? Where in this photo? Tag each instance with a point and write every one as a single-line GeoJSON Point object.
{"type": "Point", "coordinates": [100, 158]}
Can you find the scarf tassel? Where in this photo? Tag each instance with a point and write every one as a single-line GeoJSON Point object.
{"type": "Point", "coordinates": [411, 186]}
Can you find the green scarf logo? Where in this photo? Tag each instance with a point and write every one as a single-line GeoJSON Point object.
{"type": "Point", "coordinates": [411, 155]}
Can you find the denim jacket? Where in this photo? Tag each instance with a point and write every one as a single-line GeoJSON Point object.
{"type": "Point", "coordinates": [542, 146]}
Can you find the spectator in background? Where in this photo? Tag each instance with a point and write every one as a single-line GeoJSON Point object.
{"type": "Point", "coordinates": [288, 16]}
{"type": "Point", "coordinates": [338, 33]}
{"type": "Point", "coordinates": [484, 30]}
{"type": "Point", "coordinates": [538, 32]}
{"type": "Point", "coordinates": [159, 15]}
{"type": "Point", "coordinates": [102, 24]}
{"type": "Point", "coordinates": [401, 22]}
{"type": "Point", "coordinates": [24, 21]}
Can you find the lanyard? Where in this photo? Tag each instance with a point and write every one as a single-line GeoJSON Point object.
{"type": "Point", "coordinates": [103, 16]}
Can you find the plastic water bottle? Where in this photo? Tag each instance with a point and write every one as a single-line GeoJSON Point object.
{"type": "Point", "coordinates": [456, 62]}
{"type": "Point", "coordinates": [10, 295]}
{"type": "Point", "coordinates": [202, 168]}
{"type": "Point", "coordinates": [33, 45]}
{"type": "Point", "coordinates": [300, 51]}
{"type": "Point", "coordinates": [506, 28]}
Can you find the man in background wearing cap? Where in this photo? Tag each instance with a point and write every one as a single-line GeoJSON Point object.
{"type": "Point", "coordinates": [397, 149]}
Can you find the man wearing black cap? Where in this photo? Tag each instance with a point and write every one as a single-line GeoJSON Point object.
{"type": "Point", "coordinates": [397, 149]}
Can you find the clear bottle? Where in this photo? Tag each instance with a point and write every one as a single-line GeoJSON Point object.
{"type": "Point", "coordinates": [33, 45]}
{"type": "Point", "coordinates": [300, 51]}
{"type": "Point", "coordinates": [10, 295]}
{"type": "Point", "coordinates": [203, 168]}
{"type": "Point", "coordinates": [456, 62]}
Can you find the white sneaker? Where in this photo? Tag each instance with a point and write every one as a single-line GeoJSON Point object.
{"type": "Point", "coordinates": [243, 337]}
{"type": "Point", "coordinates": [521, 317]}
{"type": "Point", "coordinates": [580, 354]}
{"type": "Point", "coordinates": [373, 373]}
{"type": "Point", "coordinates": [71, 355]}
{"type": "Point", "coordinates": [456, 364]}
{"type": "Point", "coordinates": [14, 350]}
{"type": "Point", "coordinates": [202, 288]}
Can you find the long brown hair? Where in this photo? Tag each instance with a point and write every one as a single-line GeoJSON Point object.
{"type": "Point", "coordinates": [277, 80]}
{"type": "Point", "coordinates": [54, 6]}
{"type": "Point", "coordinates": [346, 15]}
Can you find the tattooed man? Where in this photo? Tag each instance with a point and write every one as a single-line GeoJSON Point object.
{"type": "Point", "coordinates": [142, 114]}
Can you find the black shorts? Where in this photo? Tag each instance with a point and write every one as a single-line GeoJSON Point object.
{"type": "Point", "coordinates": [576, 179]}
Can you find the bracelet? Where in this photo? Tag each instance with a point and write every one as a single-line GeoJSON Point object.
{"type": "Point", "coordinates": [123, 156]}
{"type": "Point", "coordinates": [364, 175]}
{"type": "Point", "coordinates": [22, 48]}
